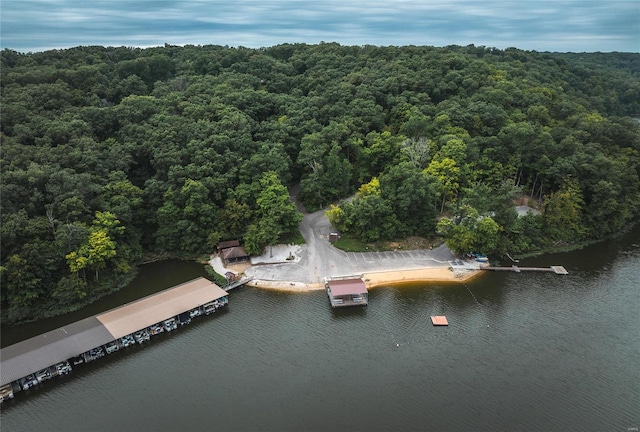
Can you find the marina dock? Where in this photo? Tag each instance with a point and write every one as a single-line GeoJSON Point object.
{"type": "Point", "coordinates": [28, 363]}
{"type": "Point", "coordinates": [553, 269]}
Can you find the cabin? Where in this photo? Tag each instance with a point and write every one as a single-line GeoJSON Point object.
{"type": "Point", "coordinates": [347, 292]}
{"type": "Point", "coordinates": [234, 255]}
{"type": "Point", "coordinates": [231, 252]}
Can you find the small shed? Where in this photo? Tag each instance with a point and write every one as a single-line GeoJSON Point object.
{"type": "Point", "coordinates": [234, 255]}
{"type": "Point", "coordinates": [347, 292]}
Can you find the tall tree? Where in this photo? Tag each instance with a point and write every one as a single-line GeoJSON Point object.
{"type": "Point", "coordinates": [562, 211]}
{"type": "Point", "coordinates": [186, 219]}
{"type": "Point", "coordinates": [468, 232]}
{"type": "Point", "coordinates": [446, 175]}
{"type": "Point", "coordinates": [276, 215]}
{"type": "Point", "coordinates": [410, 194]}
{"type": "Point", "coordinates": [99, 247]}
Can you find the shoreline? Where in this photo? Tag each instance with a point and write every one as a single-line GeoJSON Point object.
{"type": "Point", "coordinates": [377, 279]}
{"type": "Point", "coordinates": [421, 275]}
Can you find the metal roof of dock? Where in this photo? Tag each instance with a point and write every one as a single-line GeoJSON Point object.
{"type": "Point", "coordinates": [340, 287]}
{"type": "Point", "coordinates": [39, 352]}
{"type": "Point", "coordinates": [158, 307]}
{"type": "Point", "coordinates": [34, 354]}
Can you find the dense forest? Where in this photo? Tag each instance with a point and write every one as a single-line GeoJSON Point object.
{"type": "Point", "coordinates": [112, 154]}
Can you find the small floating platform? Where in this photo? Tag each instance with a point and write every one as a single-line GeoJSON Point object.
{"type": "Point", "coordinates": [439, 320]}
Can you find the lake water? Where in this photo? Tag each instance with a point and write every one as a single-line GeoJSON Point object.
{"type": "Point", "coordinates": [526, 352]}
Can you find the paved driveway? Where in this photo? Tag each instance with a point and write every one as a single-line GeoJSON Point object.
{"type": "Point", "coordinates": [318, 259]}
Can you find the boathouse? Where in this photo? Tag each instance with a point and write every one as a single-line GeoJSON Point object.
{"type": "Point", "coordinates": [50, 354]}
{"type": "Point", "coordinates": [350, 291]}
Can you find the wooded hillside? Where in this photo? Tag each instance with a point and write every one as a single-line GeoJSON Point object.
{"type": "Point", "coordinates": [109, 153]}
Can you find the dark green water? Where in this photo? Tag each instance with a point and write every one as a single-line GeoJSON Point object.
{"type": "Point", "coordinates": [525, 352]}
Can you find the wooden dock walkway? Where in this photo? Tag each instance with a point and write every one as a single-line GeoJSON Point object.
{"type": "Point", "coordinates": [235, 284]}
{"type": "Point", "coordinates": [553, 269]}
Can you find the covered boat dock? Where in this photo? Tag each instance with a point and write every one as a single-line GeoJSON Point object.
{"type": "Point", "coordinates": [158, 307]}
{"type": "Point", "coordinates": [49, 354]}
{"type": "Point", "coordinates": [347, 291]}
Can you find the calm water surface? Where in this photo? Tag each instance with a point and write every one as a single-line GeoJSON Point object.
{"type": "Point", "coordinates": [525, 352]}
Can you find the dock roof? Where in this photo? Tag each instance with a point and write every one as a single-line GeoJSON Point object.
{"type": "Point", "coordinates": [340, 287]}
{"type": "Point", "coordinates": [55, 346]}
{"type": "Point", "coordinates": [39, 352]}
{"type": "Point", "coordinates": [158, 307]}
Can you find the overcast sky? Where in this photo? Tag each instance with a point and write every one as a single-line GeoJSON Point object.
{"type": "Point", "coordinates": [541, 25]}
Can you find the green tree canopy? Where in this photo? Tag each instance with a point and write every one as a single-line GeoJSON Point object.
{"type": "Point", "coordinates": [276, 215]}
{"type": "Point", "coordinates": [173, 141]}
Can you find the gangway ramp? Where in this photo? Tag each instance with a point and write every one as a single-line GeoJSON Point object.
{"type": "Point", "coordinates": [235, 284]}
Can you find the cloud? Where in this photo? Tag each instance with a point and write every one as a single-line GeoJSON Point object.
{"type": "Point", "coordinates": [575, 25]}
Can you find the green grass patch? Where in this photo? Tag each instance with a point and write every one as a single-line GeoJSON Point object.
{"type": "Point", "coordinates": [295, 238]}
{"type": "Point", "coordinates": [349, 244]}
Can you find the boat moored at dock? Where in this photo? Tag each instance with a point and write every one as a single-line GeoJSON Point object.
{"type": "Point", "coordinates": [6, 392]}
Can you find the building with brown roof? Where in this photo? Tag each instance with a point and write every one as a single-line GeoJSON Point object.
{"type": "Point", "coordinates": [347, 292]}
{"type": "Point", "coordinates": [234, 255]}
{"type": "Point", "coordinates": [227, 244]}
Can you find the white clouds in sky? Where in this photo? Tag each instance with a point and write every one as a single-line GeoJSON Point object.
{"type": "Point", "coordinates": [542, 25]}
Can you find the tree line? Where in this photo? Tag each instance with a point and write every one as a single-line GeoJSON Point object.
{"type": "Point", "coordinates": [110, 153]}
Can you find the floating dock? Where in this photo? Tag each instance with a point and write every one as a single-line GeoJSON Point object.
{"type": "Point", "coordinates": [346, 291]}
{"type": "Point", "coordinates": [439, 320]}
{"type": "Point", "coordinates": [30, 362]}
{"type": "Point", "coordinates": [516, 269]}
